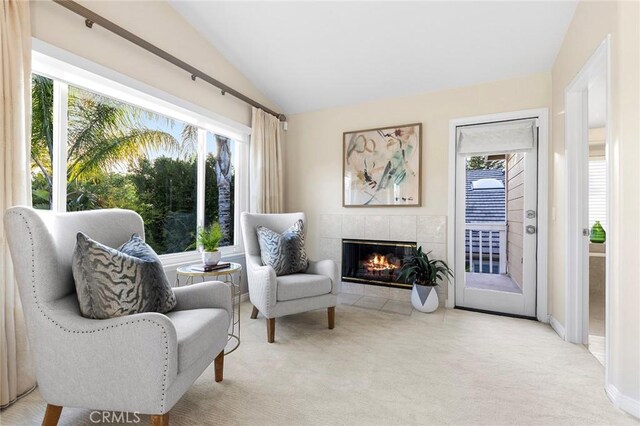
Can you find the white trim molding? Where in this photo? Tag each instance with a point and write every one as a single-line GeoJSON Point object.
{"type": "Point", "coordinates": [576, 250]}
{"type": "Point", "coordinates": [557, 327]}
{"type": "Point", "coordinates": [542, 114]}
{"type": "Point", "coordinates": [622, 401]}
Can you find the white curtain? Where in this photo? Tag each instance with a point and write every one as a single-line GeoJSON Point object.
{"type": "Point", "coordinates": [489, 138]}
{"type": "Point", "coordinates": [16, 373]}
{"type": "Point", "coordinates": [266, 163]}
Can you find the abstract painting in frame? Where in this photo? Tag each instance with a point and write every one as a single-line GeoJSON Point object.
{"type": "Point", "coordinates": [381, 167]}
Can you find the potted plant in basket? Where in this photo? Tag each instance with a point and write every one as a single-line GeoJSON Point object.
{"type": "Point", "coordinates": [425, 274]}
{"type": "Point", "coordinates": [208, 240]}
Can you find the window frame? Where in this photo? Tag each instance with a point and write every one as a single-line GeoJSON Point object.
{"type": "Point", "coordinates": [67, 69]}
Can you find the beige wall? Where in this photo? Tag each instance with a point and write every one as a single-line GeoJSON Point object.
{"type": "Point", "coordinates": [158, 23]}
{"type": "Point", "coordinates": [314, 144]}
{"type": "Point", "coordinates": [591, 24]}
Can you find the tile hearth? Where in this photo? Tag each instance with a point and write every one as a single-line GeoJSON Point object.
{"type": "Point", "coordinates": [376, 303]}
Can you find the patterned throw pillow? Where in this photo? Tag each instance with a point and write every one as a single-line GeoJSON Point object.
{"type": "Point", "coordinates": [283, 252]}
{"type": "Point", "coordinates": [115, 282]}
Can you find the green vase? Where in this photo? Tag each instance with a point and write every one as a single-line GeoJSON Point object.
{"type": "Point", "coordinates": [597, 233]}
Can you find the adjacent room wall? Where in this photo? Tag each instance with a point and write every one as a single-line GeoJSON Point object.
{"type": "Point", "coordinates": [313, 173]}
{"type": "Point", "coordinates": [158, 23]}
{"type": "Point", "coordinates": [592, 22]}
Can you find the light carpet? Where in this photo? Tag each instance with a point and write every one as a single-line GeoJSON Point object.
{"type": "Point", "coordinates": [379, 368]}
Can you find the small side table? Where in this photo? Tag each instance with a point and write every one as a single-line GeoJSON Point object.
{"type": "Point", "coordinates": [228, 275]}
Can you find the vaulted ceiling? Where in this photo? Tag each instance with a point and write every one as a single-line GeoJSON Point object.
{"type": "Point", "coordinates": [307, 56]}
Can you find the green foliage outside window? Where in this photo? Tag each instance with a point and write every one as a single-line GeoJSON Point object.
{"type": "Point", "coordinates": [482, 163]}
{"type": "Point", "coordinates": [109, 166]}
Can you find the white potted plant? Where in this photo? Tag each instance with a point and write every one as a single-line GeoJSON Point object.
{"type": "Point", "coordinates": [424, 273]}
{"type": "Point", "coordinates": [208, 240]}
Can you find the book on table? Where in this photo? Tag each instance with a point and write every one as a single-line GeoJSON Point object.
{"type": "Point", "coordinates": [210, 268]}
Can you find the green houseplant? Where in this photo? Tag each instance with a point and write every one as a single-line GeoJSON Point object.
{"type": "Point", "coordinates": [424, 273]}
{"type": "Point", "coordinates": [208, 239]}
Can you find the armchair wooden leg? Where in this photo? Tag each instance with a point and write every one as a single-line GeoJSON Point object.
{"type": "Point", "coordinates": [219, 366]}
{"type": "Point", "coordinates": [51, 415]}
{"type": "Point", "coordinates": [332, 317]}
{"type": "Point", "coordinates": [271, 330]}
{"type": "Point", "coordinates": [160, 420]}
{"type": "Point", "coordinates": [254, 313]}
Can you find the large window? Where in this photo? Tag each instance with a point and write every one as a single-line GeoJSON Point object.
{"type": "Point", "coordinates": [177, 175]}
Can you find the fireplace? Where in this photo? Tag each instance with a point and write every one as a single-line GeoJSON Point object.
{"type": "Point", "coordinates": [374, 262]}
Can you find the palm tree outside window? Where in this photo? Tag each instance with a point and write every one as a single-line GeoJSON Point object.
{"type": "Point", "coordinates": [120, 155]}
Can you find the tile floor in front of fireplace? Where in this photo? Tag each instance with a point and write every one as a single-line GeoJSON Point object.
{"type": "Point", "coordinates": [376, 303]}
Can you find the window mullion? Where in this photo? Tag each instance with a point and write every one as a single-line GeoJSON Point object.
{"type": "Point", "coordinates": [59, 166]}
{"type": "Point", "coordinates": [200, 186]}
{"type": "Point", "coordinates": [241, 166]}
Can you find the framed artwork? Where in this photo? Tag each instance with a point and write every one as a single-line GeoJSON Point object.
{"type": "Point", "coordinates": [382, 167]}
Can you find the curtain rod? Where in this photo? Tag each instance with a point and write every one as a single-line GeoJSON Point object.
{"type": "Point", "coordinates": [93, 18]}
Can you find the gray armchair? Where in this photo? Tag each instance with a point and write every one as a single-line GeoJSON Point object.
{"type": "Point", "coordinates": [289, 294]}
{"type": "Point", "coordinates": [138, 363]}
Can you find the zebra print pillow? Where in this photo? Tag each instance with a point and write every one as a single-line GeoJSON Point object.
{"type": "Point", "coordinates": [115, 282]}
{"type": "Point", "coordinates": [283, 252]}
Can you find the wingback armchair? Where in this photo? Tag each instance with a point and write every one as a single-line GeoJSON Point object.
{"type": "Point", "coordinates": [138, 363]}
{"type": "Point", "coordinates": [274, 296]}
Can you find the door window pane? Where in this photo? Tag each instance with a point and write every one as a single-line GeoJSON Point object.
{"type": "Point", "coordinates": [41, 141]}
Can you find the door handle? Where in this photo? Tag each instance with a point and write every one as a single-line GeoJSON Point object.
{"type": "Point", "coordinates": [530, 229]}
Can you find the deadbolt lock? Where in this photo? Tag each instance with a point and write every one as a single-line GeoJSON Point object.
{"type": "Point", "coordinates": [531, 214]}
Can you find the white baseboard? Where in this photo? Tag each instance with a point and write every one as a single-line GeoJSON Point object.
{"type": "Point", "coordinates": [244, 297]}
{"type": "Point", "coordinates": [557, 327]}
{"type": "Point", "coordinates": [622, 401]}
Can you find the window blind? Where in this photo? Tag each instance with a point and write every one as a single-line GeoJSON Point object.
{"type": "Point", "coordinates": [598, 192]}
{"type": "Point", "coordinates": [507, 136]}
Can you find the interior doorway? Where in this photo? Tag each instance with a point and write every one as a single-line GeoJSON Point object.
{"type": "Point", "coordinates": [499, 231]}
{"type": "Point", "coordinates": [588, 175]}
{"type": "Point", "coordinates": [598, 224]}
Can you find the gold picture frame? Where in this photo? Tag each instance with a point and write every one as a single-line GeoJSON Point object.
{"type": "Point", "coordinates": [382, 167]}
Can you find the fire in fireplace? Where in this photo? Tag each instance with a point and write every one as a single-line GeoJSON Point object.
{"type": "Point", "coordinates": [374, 262]}
{"type": "Point", "coordinates": [378, 262]}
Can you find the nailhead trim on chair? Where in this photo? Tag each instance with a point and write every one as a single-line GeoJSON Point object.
{"type": "Point", "coordinates": [54, 322]}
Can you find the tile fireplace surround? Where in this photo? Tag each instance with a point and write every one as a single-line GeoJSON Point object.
{"type": "Point", "coordinates": [430, 232]}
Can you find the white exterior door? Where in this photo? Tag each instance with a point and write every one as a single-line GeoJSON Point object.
{"type": "Point", "coordinates": [496, 255]}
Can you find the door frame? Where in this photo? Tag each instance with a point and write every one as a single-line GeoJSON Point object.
{"type": "Point", "coordinates": [576, 162]}
{"type": "Point", "coordinates": [542, 114]}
